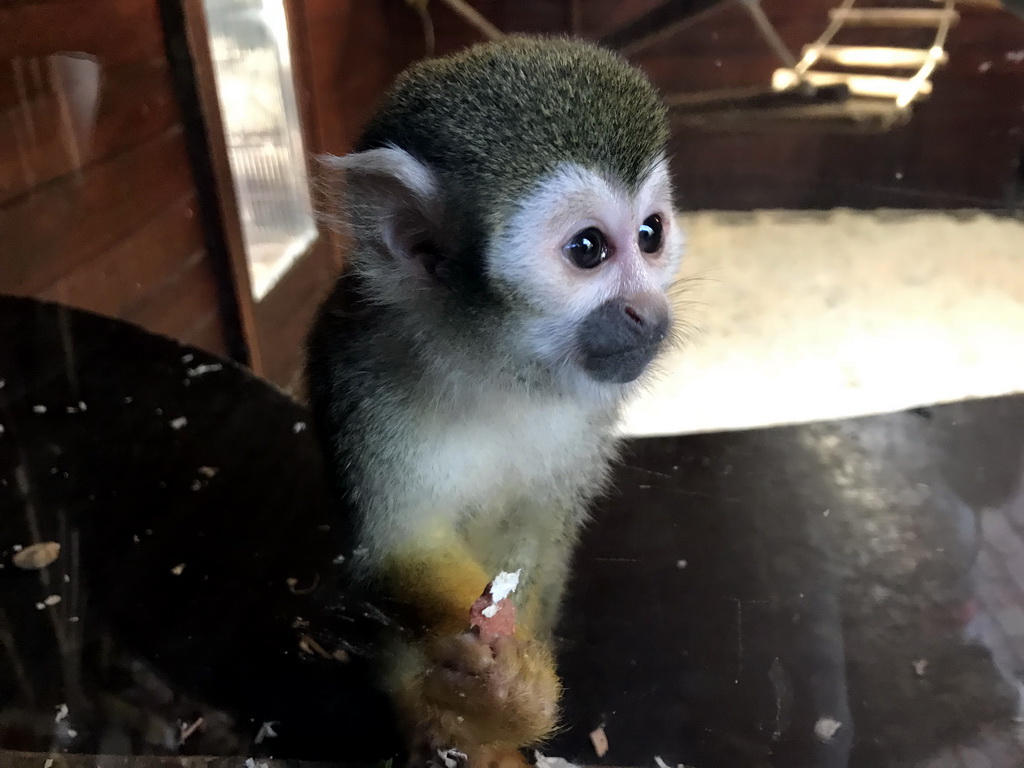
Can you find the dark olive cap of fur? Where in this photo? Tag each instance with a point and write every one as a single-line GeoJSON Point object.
{"type": "Point", "coordinates": [494, 119]}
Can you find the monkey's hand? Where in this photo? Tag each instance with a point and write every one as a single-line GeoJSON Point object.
{"type": "Point", "coordinates": [478, 697]}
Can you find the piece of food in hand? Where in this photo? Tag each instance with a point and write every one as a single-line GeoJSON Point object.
{"type": "Point", "coordinates": [493, 615]}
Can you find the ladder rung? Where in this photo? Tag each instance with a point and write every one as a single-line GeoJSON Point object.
{"type": "Point", "coordinates": [877, 86]}
{"type": "Point", "coordinates": [859, 116]}
{"type": "Point", "coordinates": [874, 56]}
{"type": "Point", "coordinates": [894, 17]}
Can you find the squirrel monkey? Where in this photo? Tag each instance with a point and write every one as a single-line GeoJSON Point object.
{"type": "Point", "coordinates": [513, 235]}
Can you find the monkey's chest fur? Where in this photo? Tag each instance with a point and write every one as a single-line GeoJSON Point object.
{"type": "Point", "coordinates": [511, 476]}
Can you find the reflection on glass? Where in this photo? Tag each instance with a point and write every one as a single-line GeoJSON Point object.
{"type": "Point", "coordinates": [252, 65]}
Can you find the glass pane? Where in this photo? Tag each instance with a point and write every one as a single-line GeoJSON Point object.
{"type": "Point", "coordinates": [252, 65]}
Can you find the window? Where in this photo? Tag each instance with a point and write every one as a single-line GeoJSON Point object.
{"type": "Point", "coordinates": [253, 72]}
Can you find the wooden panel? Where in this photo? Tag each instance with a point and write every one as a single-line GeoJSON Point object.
{"type": "Point", "coordinates": [135, 104]}
{"type": "Point", "coordinates": [111, 30]}
{"type": "Point", "coordinates": [121, 278]}
{"type": "Point", "coordinates": [62, 224]}
{"type": "Point", "coordinates": [209, 335]}
{"type": "Point", "coordinates": [286, 313]}
{"type": "Point", "coordinates": [181, 307]}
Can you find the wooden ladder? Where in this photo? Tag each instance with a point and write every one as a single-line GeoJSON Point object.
{"type": "Point", "coordinates": [908, 70]}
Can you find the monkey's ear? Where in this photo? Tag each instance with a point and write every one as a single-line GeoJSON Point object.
{"type": "Point", "coordinates": [389, 199]}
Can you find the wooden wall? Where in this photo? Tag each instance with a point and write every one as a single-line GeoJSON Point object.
{"type": "Point", "coordinates": [357, 47]}
{"type": "Point", "coordinates": [98, 207]}
{"type": "Point", "coordinates": [962, 149]}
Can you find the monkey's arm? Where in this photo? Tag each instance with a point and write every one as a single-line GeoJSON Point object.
{"type": "Point", "coordinates": [437, 582]}
{"type": "Point", "coordinates": [453, 689]}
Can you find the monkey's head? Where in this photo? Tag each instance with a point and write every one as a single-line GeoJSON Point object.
{"type": "Point", "coordinates": [514, 201]}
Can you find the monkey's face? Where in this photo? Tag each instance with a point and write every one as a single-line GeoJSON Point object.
{"type": "Point", "coordinates": [593, 261]}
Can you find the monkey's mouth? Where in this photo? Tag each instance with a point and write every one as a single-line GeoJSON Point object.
{"type": "Point", "coordinates": [621, 366]}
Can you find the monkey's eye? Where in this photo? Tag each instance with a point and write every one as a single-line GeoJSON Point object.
{"type": "Point", "coordinates": [587, 249]}
{"type": "Point", "coordinates": [650, 235]}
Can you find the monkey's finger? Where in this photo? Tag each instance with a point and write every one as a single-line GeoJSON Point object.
{"type": "Point", "coordinates": [463, 653]}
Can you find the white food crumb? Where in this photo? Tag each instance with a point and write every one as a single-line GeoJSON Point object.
{"type": "Point", "coordinates": [826, 728]}
{"type": "Point", "coordinates": [339, 560]}
{"type": "Point", "coordinates": [17, 548]}
{"type": "Point", "coordinates": [208, 471]}
{"type": "Point", "coordinates": [985, 66]}
{"type": "Point", "coordinates": [199, 370]}
{"type": "Point", "coordinates": [680, 564]}
{"type": "Point", "coordinates": [451, 757]}
{"type": "Point", "coordinates": [504, 584]}
{"type": "Point", "coordinates": [600, 741]}
{"type": "Point", "coordinates": [179, 422]}
{"type": "Point", "coordinates": [552, 762]}
{"type": "Point", "coordinates": [1015, 56]}
{"type": "Point", "coordinates": [299, 426]}
{"type": "Point", "coordinates": [48, 763]}
{"type": "Point", "coordinates": [52, 600]}
{"type": "Point", "coordinates": [178, 569]}
{"type": "Point", "coordinates": [188, 359]}
{"type": "Point", "coordinates": [81, 406]}
{"type": "Point", "coordinates": [266, 731]}
{"type": "Point", "coordinates": [490, 611]}
{"type": "Point", "coordinates": [920, 666]}
{"type": "Point", "coordinates": [39, 408]}
{"type": "Point", "coordinates": [62, 713]}
{"type": "Point", "coordinates": [40, 606]}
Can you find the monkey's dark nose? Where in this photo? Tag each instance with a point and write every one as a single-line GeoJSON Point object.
{"type": "Point", "coordinates": [621, 337]}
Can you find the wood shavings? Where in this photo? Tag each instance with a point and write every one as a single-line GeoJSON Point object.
{"type": "Point", "coordinates": [48, 763]}
{"type": "Point", "coordinates": [179, 422]}
{"type": "Point", "coordinates": [311, 647]}
{"type": "Point", "coordinates": [826, 728]}
{"type": "Point", "coordinates": [62, 714]}
{"type": "Point", "coordinates": [208, 472]}
{"type": "Point", "coordinates": [293, 585]}
{"type": "Point", "coordinates": [600, 741]}
{"type": "Point", "coordinates": [178, 569]}
{"type": "Point", "coordinates": [200, 370]}
{"type": "Point", "coordinates": [188, 730]}
{"type": "Point", "coordinates": [452, 758]}
{"type": "Point", "coordinates": [266, 731]}
{"type": "Point", "coordinates": [36, 556]}
{"type": "Point", "coordinates": [49, 602]}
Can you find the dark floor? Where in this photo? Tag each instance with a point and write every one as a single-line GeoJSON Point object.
{"type": "Point", "coordinates": [824, 595]}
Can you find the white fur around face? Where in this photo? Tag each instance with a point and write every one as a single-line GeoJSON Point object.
{"type": "Point", "coordinates": [529, 255]}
